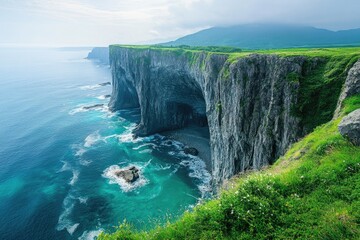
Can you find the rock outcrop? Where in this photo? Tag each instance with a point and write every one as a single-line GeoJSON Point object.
{"type": "Point", "coordinates": [191, 151]}
{"type": "Point", "coordinates": [349, 127]}
{"type": "Point", "coordinates": [351, 86]}
{"type": "Point", "coordinates": [130, 175]}
{"type": "Point", "coordinates": [247, 103]}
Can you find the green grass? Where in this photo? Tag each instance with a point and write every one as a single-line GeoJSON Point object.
{"type": "Point", "coordinates": [312, 192]}
{"type": "Point", "coordinates": [320, 89]}
{"type": "Point", "coordinates": [352, 103]}
{"type": "Point", "coordinates": [235, 53]}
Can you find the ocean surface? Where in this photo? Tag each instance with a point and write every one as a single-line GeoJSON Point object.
{"type": "Point", "coordinates": [58, 154]}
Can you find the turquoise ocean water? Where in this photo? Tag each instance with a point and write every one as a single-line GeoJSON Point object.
{"type": "Point", "coordinates": [57, 158]}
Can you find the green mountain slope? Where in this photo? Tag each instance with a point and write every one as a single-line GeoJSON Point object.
{"type": "Point", "coordinates": [266, 36]}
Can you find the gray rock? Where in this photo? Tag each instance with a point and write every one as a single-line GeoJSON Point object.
{"type": "Point", "coordinates": [246, 103]}
{"type": "Point", "coordinates": [93, 106]}
{"type": "Point", "coordinates": [351, 87]}
{"type": "Point", "coordinates": [349, 127]}
{"type": "Point", "coordinates": [129, 175]}
{"type": "Point", "coordinates": [191, 151]}
{"type": "Point", "coordinates": [104, 84]}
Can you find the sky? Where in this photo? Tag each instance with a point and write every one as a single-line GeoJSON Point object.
{"type": "Point", "coordinates": [103, 22]}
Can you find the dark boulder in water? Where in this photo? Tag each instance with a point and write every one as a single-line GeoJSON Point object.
{"type": "Point", "coordinates": [191, 151]}
{"type": "Point", "coordinates": [93, 106]}
{"type": "Point", "coordinates": [130, 175]}
{"type": "Point", "coordinates": [105, 83]}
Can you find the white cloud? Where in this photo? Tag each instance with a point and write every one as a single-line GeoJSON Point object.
{"type": "Point", "coordinates": [94, 22]}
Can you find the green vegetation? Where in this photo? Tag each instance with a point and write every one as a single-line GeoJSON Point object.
{"type": "Point", "coordinates": [236, 53]}
{"type": "Point", "coordinates": [320, 89]}
{"type": "Point", "coordinates": [215, 49]}
{"type": "Point", "coordinates": [350, 104]}
{"type": "Point", "coordinates": [293, 77]}
{"type": "Point", "coordinates": [312, 192]}
{"type": "Point", "coordinates": [219, 107]}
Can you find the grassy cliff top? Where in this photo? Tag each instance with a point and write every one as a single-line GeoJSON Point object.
{"type": "Point", "coordinates": [238, 53]}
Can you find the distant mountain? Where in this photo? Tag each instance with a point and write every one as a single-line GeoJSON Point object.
{"type": "Point", "coordinates": [265, 36]}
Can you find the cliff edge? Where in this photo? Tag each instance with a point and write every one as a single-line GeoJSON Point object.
{"type": "Point", "coordinates": [255, 104]}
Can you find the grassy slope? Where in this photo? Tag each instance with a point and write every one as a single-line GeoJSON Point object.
{"type": "Point", "coordinates": [312, 192]}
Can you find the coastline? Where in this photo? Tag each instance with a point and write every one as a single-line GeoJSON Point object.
{"type": "Point", "coordinates": [195, 137]}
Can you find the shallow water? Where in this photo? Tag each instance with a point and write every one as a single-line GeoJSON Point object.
{"type": "Point", "coordinates": [58, 158]}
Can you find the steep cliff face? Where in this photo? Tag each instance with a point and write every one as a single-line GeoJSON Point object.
{"type": "Point", "coordinates": [351, 86]}
{"type": "Point", "coordinates": [248, 103]}
{"type": "Point", "coordinates": [100, 54]}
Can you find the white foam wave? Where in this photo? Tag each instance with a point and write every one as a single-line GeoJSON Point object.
{"type": "Point", "coordinates": [90, 87]}
{"type": "Point", "coordinates": [198, 171]}
{"type": "Point", "coordinates": [85, 162]}
{"type": "Point", "coordinates": [128, 137]}
{"type": "Point", "coordinates": [80, 152]}
{"type": "Point", "coordinates": [71, 229]}
{"type": "Point", "coordinates": [110, 173]}
{"type": "Point", "coordinates": [102, 97]}
{"type": "Point", "coordinates": [83, 200]}
{"type": "Point", "coordinates": [74, 178]}
{"type": "Point", "coordinates": [64, 222]}
{"type": "Point", "coordinates": [144, 145]}
{"type": "Point", "coordinates": [177, 145]}
{"type": "Point", "coordinates": [159, 167]}
{"type": "Point", "coordinates": [146, 151]}
{"type": "Point", "coordinates": [78, 110]}
{"type": "Point", "coordinates": [92, 139]}
{"type": "Point", "coordinates": [90, 235]}
{"type": "Point", "coordinates": [65, 167]}
{"type": "Point", "coordinates": [84, 108]}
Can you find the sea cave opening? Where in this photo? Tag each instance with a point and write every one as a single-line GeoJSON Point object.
{"type": "Point", "coordinates": [187, 109]}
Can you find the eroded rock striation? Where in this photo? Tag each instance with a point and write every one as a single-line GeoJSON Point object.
{"type": "Point", "coordinates": [247, 103]}
{"type": "Point", "coordinates": [351, 86]}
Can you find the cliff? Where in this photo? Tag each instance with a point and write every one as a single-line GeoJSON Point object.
{"type": "Point", "coordinates": [100, 54]}
{"type": "Point", "coordinates": [255, 104]}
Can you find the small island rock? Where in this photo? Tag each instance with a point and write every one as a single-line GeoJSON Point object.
{"type": "Point", "coordinates": [191, 151]}
{"type": "Point", "coordinates": [130, 175]}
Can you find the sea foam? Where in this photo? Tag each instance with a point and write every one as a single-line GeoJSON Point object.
{"type": "Point", "coordinates": [64, 222]}
{"type": "Point", "coordinates": [93, 139]}
{"type": "Point", "coordinates": [90, 235]}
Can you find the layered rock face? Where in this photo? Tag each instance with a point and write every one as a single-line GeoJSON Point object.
{"type": "Point", "coordinates": [351, 86]}
{"type": "Point", "coordinates": [247, 103]}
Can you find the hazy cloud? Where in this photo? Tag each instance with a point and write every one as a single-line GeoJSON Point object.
{"type": "Point", "coordinates": [93, 22]}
